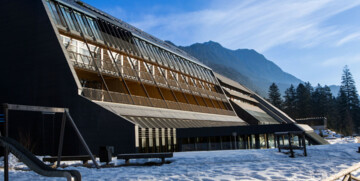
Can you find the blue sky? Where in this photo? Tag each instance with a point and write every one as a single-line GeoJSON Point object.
{"type": "Point", "coordinates": [311, 39]}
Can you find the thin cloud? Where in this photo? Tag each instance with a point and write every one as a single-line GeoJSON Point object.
{"type": "Point", "coordinates": [348, 38]}
{"type": "Point", "coordinates": [260, 25]}
{"type": "Point", "coordinates": [342, 60]}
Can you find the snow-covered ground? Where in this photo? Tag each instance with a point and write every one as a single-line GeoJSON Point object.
{"type": "Point", "coordinates": [269, 164]}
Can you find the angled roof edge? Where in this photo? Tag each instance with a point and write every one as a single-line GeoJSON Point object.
{"type": "Point", "coordinates": [94, 12]}
{"type": "Point", "coordinates": [253, 94]}
{"type": "Point", "coordinates": [233, 83]}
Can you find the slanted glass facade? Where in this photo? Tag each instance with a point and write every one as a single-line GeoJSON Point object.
{"type": "Point", "coordinates": [114, 65]}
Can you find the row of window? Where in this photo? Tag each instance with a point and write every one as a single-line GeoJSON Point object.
{"type": "Point", "coordinates": [172, 61]}
{"type": "Point", "coordinates": [120, 38]}
{"type": "Point", "coordinates": [79, 47]}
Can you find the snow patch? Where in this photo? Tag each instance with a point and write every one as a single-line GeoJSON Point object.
{"type": "Point", "coordinates": [267, 164]}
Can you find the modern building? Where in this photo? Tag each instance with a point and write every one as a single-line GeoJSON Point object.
{"type": "Point", "coordinates": [124, 87]}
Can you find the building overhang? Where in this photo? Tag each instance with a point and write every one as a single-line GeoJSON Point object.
{"type": "Point", "coordinates": [144, 111]}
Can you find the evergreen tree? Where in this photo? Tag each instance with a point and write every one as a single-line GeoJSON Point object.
{"type": "Point", "coordinates": [290, 102]}
{"type": "Point", "coordinates": [309, 88]}
{"type": "Point", "coordinates": [275, 96]}
{"type": "Point", "coordinates": [303, 100]}
{"type": "Point", "coordinates": [331, 111]}
{"type": "Point", "coordinates": [321, 101]}
{"type": "Point", "coordinates": [348, 87]}
{"type": "Point", "coordinates": [323, 104]}
{"type": "Point", "coordinates": [348, 102]}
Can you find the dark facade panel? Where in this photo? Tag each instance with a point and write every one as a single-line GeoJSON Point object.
{"type": "Point", "coordinates": [34, 71]}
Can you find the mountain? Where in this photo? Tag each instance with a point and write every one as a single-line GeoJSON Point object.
{"type": "Point", "coordinates": [243, 65]}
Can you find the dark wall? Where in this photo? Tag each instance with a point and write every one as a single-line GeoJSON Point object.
{"type": "Point", "coordinates": [34, 71]}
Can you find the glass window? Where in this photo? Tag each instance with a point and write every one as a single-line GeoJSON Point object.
{"type": "Point", "coordinates": [81, 23]}
{"type": "Point", "coordinates": [87, 25]}
{"type": "Point", "coordinates": [186, 66]}
{"type": "Point", "coordinates": [263, 142]}
{"type": "Point", "coordinates": [137, 43]}
{"type": "Point", "coordinates": [54, 13]}
{"type": "Point", "coordinates": [153, 52]}
{"type": "Point", "coordinates": [107, 36]}
{"type": "Point", "coordinates": [68, 18]}
{"type": "Point", "coordinates": [144, 46]}
{"type": "Point", "coordinates": [114, 35]}
{"type": "Point", "coordinates": [156, 54]}
{"type": "Point", "coordinates": [162, 56]}
{"type": "Point", "coordinates": [122, 38]}
{"type": "Point", "coordinates": [94, 28]}
{"type": "Point", "coordinates": [105, 28]}
{"type": "Point", "coordinates": [173, 63]}
{"type": "Point", "coordinates": [171, 56]}
{"type": "Point", "coordinates": [181, 63]}
{"type": "Point", "coordinates": [212, 79]}
{"type": "Point", "coordinates": [149, 50]}
{"type": "Point", "coordinates": [195, 71]}
{"type": "Point", "coordinates": [198, 70]}
{"type": "Point", "coordinates": [187, 63]}
{"type": "Point", "coordinates": [202, 70]}
{"type": "Point", "coordinates": [167, 62]}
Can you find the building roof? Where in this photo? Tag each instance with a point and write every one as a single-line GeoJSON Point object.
{"type": "Point", "coordinates": [257, 113]}
{"type": "Point", "coordinates": [154, 122]}
{"type": "Point", "coordinates": [274, 109]}
{"type": "Point", "coordinates": [232, 83]}
{"type": "Point", "coordinates": [94, 12]}
{"type": "Point", "coordinates": [239, 95]}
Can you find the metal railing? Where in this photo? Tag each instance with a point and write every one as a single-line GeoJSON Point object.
{"type": "Point", "coordinates": [141, 101]}
{"type": "Point", "coordinates": [127, 72]}
{"type": "Point", "coordinates": [86, 62]}
{"type": "Point", "coordinates": [160, 80]}
{"type": "Point", "coordinates": [173, 105]}
{"type": "Point", "coordinates": [172, 83]}
{"type": "Point", "coordinates": [121, 97]}
{"type": "Point", "coordinates": [96, 94]}
{"type": "Point", "coordinates": [146, 77]}
{"type": "Point", "coordinates": [158, 103]}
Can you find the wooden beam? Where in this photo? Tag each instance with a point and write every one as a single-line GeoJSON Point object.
{"type": "Point", "coordinates": [355, 178]}
{"type": "Point", "coordinates": [342, 173]}
{"type": "Point", "coordinates": [33, 108]}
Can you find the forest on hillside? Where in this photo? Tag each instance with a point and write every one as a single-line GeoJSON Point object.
{"type": "Point", "coordinates": [342, 111]}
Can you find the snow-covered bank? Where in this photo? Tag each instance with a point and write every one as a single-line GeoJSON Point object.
{"type": "Point", "coordinates": [322, 162]}
{"type": "Point", "coordinates": [344, 140]}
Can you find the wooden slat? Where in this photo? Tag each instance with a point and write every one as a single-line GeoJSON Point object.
{"type": "Point", "coordinates": [67, 158]}
{"type": "Point", "coordinates": [343, 172]}
{"type": "Point", "coordinates": [355, 178]}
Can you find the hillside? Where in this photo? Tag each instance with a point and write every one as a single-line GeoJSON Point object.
{"type": "Point", "coordinates": [243, 65]}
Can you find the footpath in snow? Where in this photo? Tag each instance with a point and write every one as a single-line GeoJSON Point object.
{"type": "Point", "coordinates": [267, 164]}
